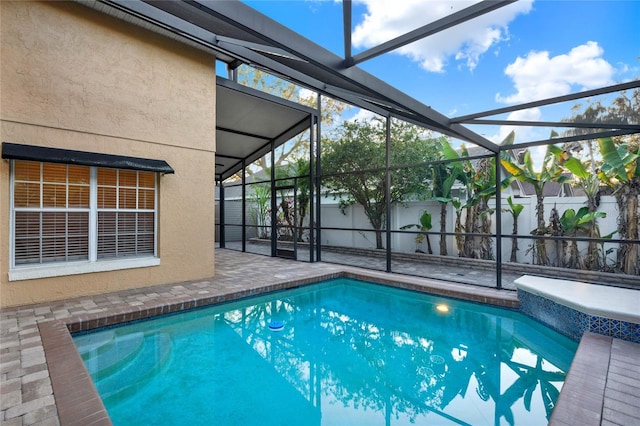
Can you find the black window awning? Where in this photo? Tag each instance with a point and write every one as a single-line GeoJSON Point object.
{"type": "Point", "coordinates": [13, 151]}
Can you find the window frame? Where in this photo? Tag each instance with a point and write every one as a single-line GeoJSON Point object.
{"type": "Point", "coordinates": [93, 263]}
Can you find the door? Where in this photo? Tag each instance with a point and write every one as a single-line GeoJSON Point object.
{"type": "Point", "coordinates": [287, 217]}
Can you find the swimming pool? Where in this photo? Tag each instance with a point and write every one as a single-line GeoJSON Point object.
{"type": "Point", "coordinates": [349, 352]}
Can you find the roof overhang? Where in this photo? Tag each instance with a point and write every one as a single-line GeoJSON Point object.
{"type": "Point", "coordinates": [250, 123]}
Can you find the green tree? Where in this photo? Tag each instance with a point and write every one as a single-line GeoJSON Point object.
{"type": "Point", "coordinates": [624, 109]}
{"type": "Point", "coordinates": [480, 179]}
{"type": "Point", "coordinates": [353, 166]}
{"type": "Point", "coordinates": [259, 202]}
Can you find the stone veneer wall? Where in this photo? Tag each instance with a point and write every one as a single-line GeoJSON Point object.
{"type": "Point", "coordinates": [573, 323]}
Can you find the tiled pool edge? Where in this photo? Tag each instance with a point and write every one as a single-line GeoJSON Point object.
{"type": "Point", "coordinates": [572, 322]}
{"type": "Point", "coordinates": [76, 397]}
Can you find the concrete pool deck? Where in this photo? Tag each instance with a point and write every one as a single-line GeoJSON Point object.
{"type": "Point", "coordinates": [41, 382]}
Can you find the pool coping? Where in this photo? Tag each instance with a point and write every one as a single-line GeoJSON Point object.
{"type": "Point", "coordinates": [597, 300]}
{"type": "Point", "coordinates": [602, 386]}
{"type": "Point", "coordinates": [76, 397]}
{"type": "Point", "coordinates": [582, 397]}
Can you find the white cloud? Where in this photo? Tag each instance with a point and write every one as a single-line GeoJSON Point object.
{"type": "Point", "coordinates": [351, 115]}
{"type": "Point", "coordinates": [362, 115]}
{"type": "Point", "coordinates": [523, 133]}
{"type": "Point", "coordinates": [465, 42]}
{"type": "Point", "coordinates": [538, 76]}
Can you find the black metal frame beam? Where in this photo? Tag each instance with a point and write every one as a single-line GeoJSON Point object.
{"type": "Point", "coordinates": [435, 27]}
{"type": "Point", "coordinates": [570, 124]}
{"type": "Point", "coordinates": [241, 133]}
{"type": "Point", "coordinates": [273, 33]}
{"type": "Point", "coordinates": [549, 101]}
{"type": "Point", "coordinates": [575, 138]}
{"type": "Point", "coordinates": [346, 22]}
{"type": "Point", "coordinates": [256, 47]}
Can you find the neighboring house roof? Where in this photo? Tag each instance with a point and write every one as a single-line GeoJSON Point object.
{"type": "Point", "coordinates": [475, 150]}
{"type": "Point", "coordinates": [551, 189]}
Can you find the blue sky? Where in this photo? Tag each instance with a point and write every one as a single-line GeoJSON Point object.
{"type": "Point", "coordinates": [526, 51]}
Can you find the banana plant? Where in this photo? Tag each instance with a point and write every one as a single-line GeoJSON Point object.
{"type": "Point", "coordinates": [482, 186]}
{"type": "Point", "coordinates": [621, 172]}
{"type": "Point", "coordinates": [302, 168]}
{"type": "Point", "coordinates": [458, 228]}
{"type": "Point", "coordinates": [605, 252]}
{"type": "Point", "coordinates": [587, 179]}
{"type": "Point", "coordinates": [573, 222]}
{"type": "Point", "coordinates": [260, 200]}
{"type": "Point", "coordinates": [424, 227]}
{"type": "Point", "coordinates": [444, 176]}
{"type": "Point", "coordinates": [515, 210]}
{"type": "Point", "coordinates": [549, 172]}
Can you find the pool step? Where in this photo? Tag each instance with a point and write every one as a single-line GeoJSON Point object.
{"type": "Point", "coordinates": [137, 372]}
{"type": "Point", "coordinates": [110, 355]}
{"type": "Point", "coordinates": [89, 344]}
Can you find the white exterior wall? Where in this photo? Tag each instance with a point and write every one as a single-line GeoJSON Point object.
{"type": "Point", "coordinates": [410, 213]}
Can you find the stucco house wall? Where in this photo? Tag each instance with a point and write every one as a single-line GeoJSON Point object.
{"type": "Point", "coordinates": [74, 78]}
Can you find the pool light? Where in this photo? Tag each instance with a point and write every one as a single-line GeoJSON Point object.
{"type": "Point", "coordinates": [442, 308]}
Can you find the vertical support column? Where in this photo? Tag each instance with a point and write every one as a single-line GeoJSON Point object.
{"type": "Point", "coordinates": [318, 182]}
{"type": "Point", "coordinates": [498, 224]}
{"type": "Point", "coordinates": [312, 177]}
{"type": "Point", "coordinates": [244, 207]}
{"type": "Point", "coordinates": [274, 207]}
{"type": "Point", "coordinates": [222, 230]}
{"type": "Point", "coordinates": [387, 190]}
{"type": "Point", "coordinates": [294, 231]}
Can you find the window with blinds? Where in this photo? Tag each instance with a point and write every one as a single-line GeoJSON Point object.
{"type": "Point", "coordinates": [126, 213]}
{"type": "Point", "coordinates": [65, 213]}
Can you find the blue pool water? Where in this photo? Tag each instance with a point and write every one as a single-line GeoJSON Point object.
{"type": "Point", "coordinates": [342, 352]}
